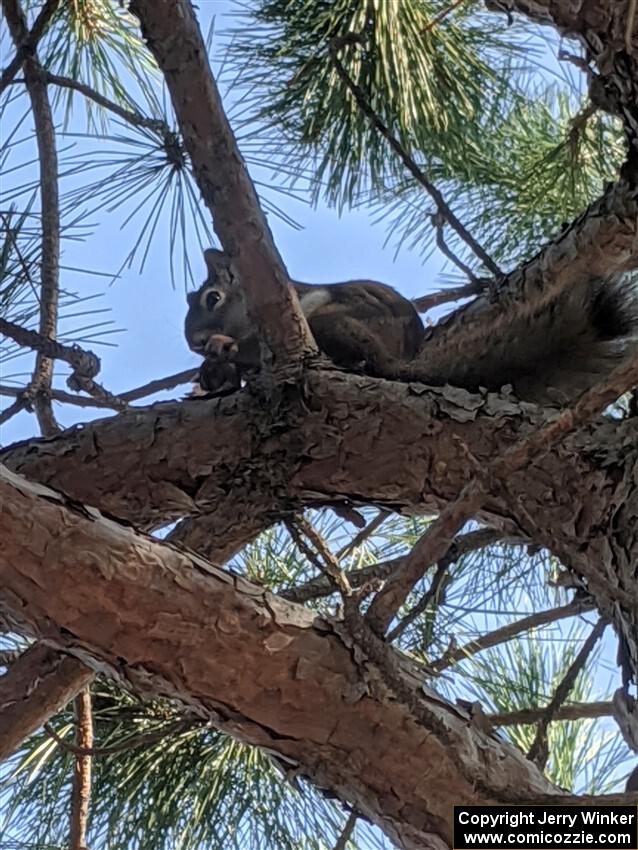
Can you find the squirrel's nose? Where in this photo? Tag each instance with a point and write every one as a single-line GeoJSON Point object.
{"type": "Point", "coordinates": [198, 340]}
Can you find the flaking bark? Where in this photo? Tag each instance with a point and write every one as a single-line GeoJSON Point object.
{"type": "Point", "coordinates": [264, 670]}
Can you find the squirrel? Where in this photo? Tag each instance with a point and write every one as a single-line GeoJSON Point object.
{"type": "Point", "coordinates": [548, 354]}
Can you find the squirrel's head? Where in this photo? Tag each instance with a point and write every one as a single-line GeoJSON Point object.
{"type": "Point", "coordinates": [217, 307]}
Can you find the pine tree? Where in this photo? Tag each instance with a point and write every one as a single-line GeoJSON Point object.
{"type": "Point", "coordinates": [281, 617]}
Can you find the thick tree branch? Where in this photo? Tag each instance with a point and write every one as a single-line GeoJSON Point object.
{"type": "Point", "coordinates": [258, 667]}
{"type": "Point", "coordinates": [600, 243]}
{"type": "Point", "coordinates": [36, 686]}
{"type": "Point", "coordinates": [154, 465]}
{"type": "Point", "coordinates": [171, 31]}
{"type": "Point", "coordinates": [436, 540]}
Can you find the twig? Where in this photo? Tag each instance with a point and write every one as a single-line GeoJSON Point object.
{"type": "Point", "coordinates": [29, 42]}
{"type": "Point", "coordinates": [460, 546]}
{"type": "Point", "coordinates": [81, 790]}
{"type": "Point", "coordinates": [158, 125]}
{"type": "Point", "coordinates": [329, 566]}
{"type": "Point", "coordinates": [505, 633]}
{"type": "Point", "coordinates": [364, 534]}
{"type": "Point", "coordinates": [433, 544]}
{"type": "Point", "coordinates": [50, 213]}
{"type": "Point", "coordinates": [13, 409]}
{"type": "Point", "coordinates": [117, 402]}
{"type": "Point", "coordinates": [539, 751]}
{"type": "Point", "coordinates": [85, 366]}
{"type": "Point", "coordinates": [439, 201]}
{"type": "Point", "coordinates": [183, 377]}
{"type": "Point", "coordinates": [84, 362]}
{"type": "Point", "coordinates": [346, 832]}
{"type": "Point", "coordinates": [136, 741]}
{"type": "Point", "coordinates": [436, 20]}
{"type": "Point", "coordinates": [438, 221]}
{"type": "Point", "coordinates": [571, 711]}
{"type": "Point", "coordinates": [320, 586]}
{"type": "Point", "coordinates": [423, 603]}
{"type": "Point", "coordinates": [453, 293]}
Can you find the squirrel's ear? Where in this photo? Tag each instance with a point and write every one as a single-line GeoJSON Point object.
{"type": "Point", "coordinates": [215, 260]}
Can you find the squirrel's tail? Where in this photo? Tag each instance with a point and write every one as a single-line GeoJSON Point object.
{"type": "Point", "coordinates": [550, 352]}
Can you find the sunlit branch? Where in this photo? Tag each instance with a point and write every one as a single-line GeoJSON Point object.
{"type": "Point", "coordinates": [81, 788]}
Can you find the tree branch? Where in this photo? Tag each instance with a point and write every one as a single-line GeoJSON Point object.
{"type": "Point", "coordinates": [601, 243]}
{"type": "Point", "coordinates": [539, 751]}
{"type": "Point", "coordinates": [81, 789]}
{"type": "Point", "coordinates": [108, 401]}
{"type": "Point", "coordinates": [346, 832]}
{"type": "Point", "coordinates": [461, 545]}
{"type": "Point", "coordinates": [258, 668]}
{"type": "Point", "coordinates": [453, 293]}
{"type": "Point", "coordinates": [255, 473]}
{"type": "Point", "coordinates": [505, 633]}
{"type": "Point", "coordinates": [50, 213]}
{"type": "Point", "coordinates": [16, 407]}
{"type": "Point", "coordinates": [327, 563]}
{"type": "Point", "coordinates": [435, 541]}
{"type": "Point", "coordinates": [439, 580]}
{"type": "Point", "coordinates": [571, 711]}
{"type": "Point", "coordinates": [439, 201]}
{"type": "Point", "coordinates": [86, 365]}
{"type": "Point", "coordinates": [36, 686]}
{"type": "Point", "coordinates": [29, 42]}
{"type": "Point", "coordinates": [136, 119]}
{"type": "Point", "coordinates": [173, 36]}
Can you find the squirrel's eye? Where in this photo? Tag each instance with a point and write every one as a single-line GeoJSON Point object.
{"type": "Point", "coordinates": [212, 299]}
